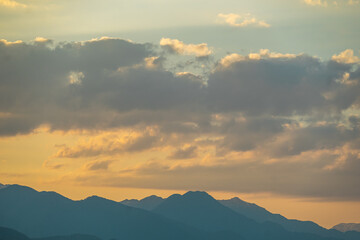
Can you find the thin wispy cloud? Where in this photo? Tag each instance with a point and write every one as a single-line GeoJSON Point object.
{"type": "Point", "coordinates": [325, 3]}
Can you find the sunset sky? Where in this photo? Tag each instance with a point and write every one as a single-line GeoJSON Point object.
{"type": "Point", "coordinates": [124, 99]}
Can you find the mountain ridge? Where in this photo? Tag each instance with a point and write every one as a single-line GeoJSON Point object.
{"type": "Point", "coordinates": [193, 215]}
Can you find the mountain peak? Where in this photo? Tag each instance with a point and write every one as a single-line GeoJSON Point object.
{"type": "Point", "coordinates": [95, 198]}
{"type": "Point", "coordinates": [198, 194]}
{"type": "Point", "coordinates": [16, 187]}
{"type": "Point", "coordinates": [147, 203]}
{"type": "Point", "coordinates": [152, 197]}
{"type": "Point", "coordinates": [236, 200]}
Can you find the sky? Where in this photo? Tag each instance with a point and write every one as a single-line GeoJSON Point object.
{"type": "Point", "coordinates": [124, 99]}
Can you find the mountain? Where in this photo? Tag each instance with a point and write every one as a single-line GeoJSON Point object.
{"type": "Point", "coordinates": [148, 203]}
{"type": "Point", "coordinates": [345, 227]}
{"type": "Point", "coordinates": [10, 234]}
{"type": "Point", "coordinates": [70, 237]}
{"type": "Point", "coordinates": [194, 215]}
{"type": "Point", "coordinates": [261, 215]}
{"type": "Point", "coordinates": [43, 214]}
{"type": "Point", "coordinates": [202, 211]}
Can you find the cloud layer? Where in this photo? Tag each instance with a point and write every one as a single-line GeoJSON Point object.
{"type": "Point", "coordinates": [264, 122]}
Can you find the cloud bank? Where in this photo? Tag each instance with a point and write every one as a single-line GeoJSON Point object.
{"type": "Point", "coordinates": [264, 122]}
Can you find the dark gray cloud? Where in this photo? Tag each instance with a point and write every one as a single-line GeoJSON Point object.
{"type": "Point", "coordinates": [280, 86]}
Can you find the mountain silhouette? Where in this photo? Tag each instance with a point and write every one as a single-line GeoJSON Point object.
{"type": "Point", "coordinates": [202, 211]}
{"type": "Point", "coordinates": [148, 203]}
{"type": "Point", "coordinates": [43, 214]}
{"type": "Point", "coordinates": [70, 237]}
{"type": "Point", "coordinates": [345, 227]}
{"type": "Point", "coordinates": [194, 215]}
{"type": "Point", "coordinates": [261, 215]}
{"type": "Point", "coordinates": [10, 234]}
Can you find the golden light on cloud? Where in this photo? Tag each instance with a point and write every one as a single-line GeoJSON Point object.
{"type": "Point", "coordinates": [245, 20]}
{"type": "Point", "coordinates": [247, 105]}
{"type": "Point", "coordinates": [199, 50]}
{"type": "Point", "coordinates": [316, 2]}
{"type": "Point", "coordinates": [347, 56]}
{"type": "Point", "coordinates": [12, 4]}
{"type": "Point", "coordinates": [325, 3]}
{"type": "Point", "coordinates": [262, 54]}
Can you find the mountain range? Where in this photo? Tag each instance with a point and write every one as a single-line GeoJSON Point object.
{"type": "Point", "coordinates": [194, 215]}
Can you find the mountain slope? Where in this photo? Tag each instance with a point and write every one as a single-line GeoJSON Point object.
{"type": "Point", "coordinates": [10, 234]}
{"type": "Point", "coordinates": [200, 210]}
{"type": "Point", "coordinates": [43, 214]}
{"type": "Point", "coordinates": [148, 203]}
{"type": "Point", "coordinates": [261, 215]}
{"type": "Point", "coordinates": [345, 227]}
{"type": "Point", "coordinates": [70, 237]}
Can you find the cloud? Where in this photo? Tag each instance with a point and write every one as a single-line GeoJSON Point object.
{"type": "Point", "coordinates": [12, 4]}
{"type": "Point", "coordinates": [255, 117]}
{"type": "Point", "coordinates": [282, 86]}
{"type": "Point", "coordinates": [262, 54]}
{"type": "Point", "coordinates": [246, 20]}
{"type": "Point", "coordinates": [353, 2]}
{"type": "Point", "coordinates": [325, 3]}
{"type": "Point", "coordinates": [184, 153]}
{"type": "Point", "coordinates": [111, 144]}
{"type": "Point", "coordinates": [316, 3]}
{"type": "Point", "coordinates": [304, 176]}
{"type": "Point", "coordinates": [98, 165]}
{"type": "Point", "coordinates": [176, 46]}
{"type": "Point", "coordinates": [346, 56]}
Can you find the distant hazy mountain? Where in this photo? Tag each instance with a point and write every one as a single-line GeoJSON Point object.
{"type": "Point", "coordinates": [148, 203]}
{"type": "Point", "coordinates": [261, 215]}
{"type": "Point", "coordinates": [10, 234]}
{"type": "Point", "coordinates": [43, 214]}
{"type": "Point", "coordinates": [70, 237]}
{"type": "Point", "coordinates": [202, 211]}
{"type": "Point", "coordinates": [344, 227]}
